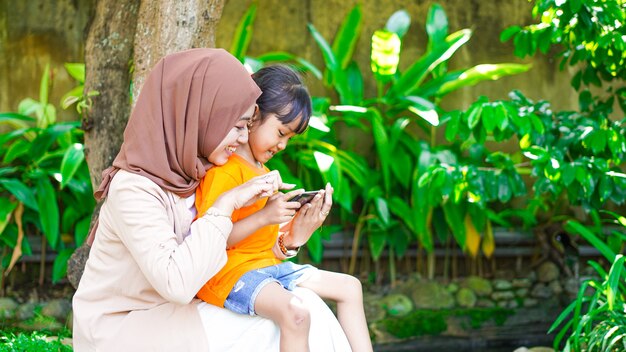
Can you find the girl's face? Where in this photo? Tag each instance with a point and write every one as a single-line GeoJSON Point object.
{"type": "Point", "coordinates": [270, 137]}
{"type": "Point", "coordinates": [237, 136]}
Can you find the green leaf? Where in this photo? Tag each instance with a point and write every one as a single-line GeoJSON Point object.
{"type": "Point", "coordinates": [243, 34]}
{"type": "Point", "coordinates": [81, 230]}
{"type": "Point", "coordinates": [382, 209]}
{"type": "Point", "coordinates": [436, 25]}
{"type": "Point", "coordinates": [376, 240]}
{"type": "Point", "coordinates": [382, 147]}
{"type": "Point", "coordinates": [412, 78]}
{"type": "Point", "coordinates": [59, 267]}
{"type": "Point", "coordinates": [48, 210]}
{"type": "Point", "coordinates": [17, 149]}
{"type": "Point", "coordinates": [6, 209]}
{"type": "Point", "coordinates": [613, 281]}
{"type": "Point", "coordinates": [327, 52]}
{"type": "Point", "coordinates": [347, 37]}
{"type": "Point", "coordinates": [20, 191]}
{"type": "Point", "coordinates": [44, 140]}
{"type": "Point", "coordinates": [423, 108]}
{"type": "Point", "coordinates": [315, 247]}
{"type": "Point", "coordinates": [72, 159]}
{"type": "Point", "coordinates": [480, 73]}
{"type": "Point", "coordinates": [455, 216]}
{"type": "Point", "coordinates": [76, 70]}
{"type": "Point", "coordinates": [399, 23]}
{"type": "Point", "coordinates": [509, 32]}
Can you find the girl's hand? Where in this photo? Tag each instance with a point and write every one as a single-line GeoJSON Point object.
{"type": "Point", "coordinates": [251, 191]}
{"type": "Point", "coordinates": [308, 219]}
{"type": "Point", "coordinates": [278, 210]}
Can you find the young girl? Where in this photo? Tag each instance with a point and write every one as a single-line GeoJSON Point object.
{"type": "Point", "coordinates": [255, 280]}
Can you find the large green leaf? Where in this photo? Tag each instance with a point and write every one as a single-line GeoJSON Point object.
{"type": "Point", "coordinates": [73, 157]}
{"type": "Point", "coordinates": [44, 140]}
{"type": "Point", "coordinates": [347, 37]}
{"type": "Point", "coordinates": [20, 191]}
{"type": "Point", "coordinates": [382, 146]}
{"type": "Point", "coordinates": [480, 73]}
{"type": "Point", "coordinates": [59, 267]}
{"type": "Point", "coordinates": [327, 53]}
{"type": "Point", "coordinates": [423, 108]}
{"type": "Point", "coordinates": [455, 216]}
{"type": "Point", "coordinates": [412, 78]}
{"type": "Point", "coordinates": [15, 150]}
{"type": "Point", "coordinates": [282, 56]}
{"type": "Point", "coordinates": [436, 25]}
{"type": "Point", "coordinates": [613, 281]}
{"type": "Point", "coordinates": [243, 34]}
{"type": "Point", "coordinates": [48, 210]}
{"type": "Point", "coordinates": [76, 70]}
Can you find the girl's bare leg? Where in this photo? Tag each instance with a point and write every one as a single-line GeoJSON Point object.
{"type": "Point", "coordinates": [286, 310]}
{"type": "Point", "coordinates": [347, 292]}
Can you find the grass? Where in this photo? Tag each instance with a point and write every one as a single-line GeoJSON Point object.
{"type": "Point", "coordinates": [40, 341]}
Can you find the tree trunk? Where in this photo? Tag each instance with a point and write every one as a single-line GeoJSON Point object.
{"type": "Point", "coordinates": [166, 26]}
{"type": "Point", "coordinates": [120, 31]}
{"type": "Point", "coordinates": [108, 52]}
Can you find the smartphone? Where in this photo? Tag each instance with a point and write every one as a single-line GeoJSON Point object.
{"type": "Point", "coordinates": [304, 197]}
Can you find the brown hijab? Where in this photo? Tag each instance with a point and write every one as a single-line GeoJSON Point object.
{"type": "Point", "coordinates": [187, 106]}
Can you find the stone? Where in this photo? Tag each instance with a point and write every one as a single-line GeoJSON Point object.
{"type": "Point", "coordinates": [502, 285]}
{"type": "Point", "coordinates": [452, 288]}
{"type": "Point", "coordinates": [431, 295]}
{"type": "Point", "coordinates": [541, 291]}
{"type": "Point", "coordinates": [485, 303]}
{"type": "Point", "coordinates": [522, 282]}
{"type": "Point", "coordinates": [547, 271]}
{"type": "Point", "coordinates": [374, 310]}
{"type": "Point", "coordinates": [530, 302]}
{"type": "Point", "coordinates": [502, 295]}
{"type": "Point", "coordinates": [40, 323]}
{"type": "Point", "coordinates": [481, 287]}
{"type": "Point", "coordinates": [534, 349]}
{"type": "Point", "coordinates": [556, 287]}
{"type": "Point", "coordinates": [466, 298]}
{"type": "Point", "coordinates": [512, 304]}
{"type": "Point", "coordinates": [397, 304]}
{"type": "Point", "coordinates": [26, 311]}
{"type": "Point", "coordinates": [7, 307]}
{"type": "Point", "coordinates": [57, 308]}
{"type": "Point", "coordinates": [521, 292]}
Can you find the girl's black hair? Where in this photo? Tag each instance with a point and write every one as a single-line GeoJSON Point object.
{"type": "Point", "coordinates": [284, 95]}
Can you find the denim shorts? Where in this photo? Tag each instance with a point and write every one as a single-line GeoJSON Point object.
{"type": "Point", "coordinates": [243, 295]}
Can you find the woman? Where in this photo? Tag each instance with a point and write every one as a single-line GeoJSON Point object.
{"type": "Point", "coordinates": [148, 260]}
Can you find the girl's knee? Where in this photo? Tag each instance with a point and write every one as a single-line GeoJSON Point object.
{"type": "Point", "coordinates": [298, 315]}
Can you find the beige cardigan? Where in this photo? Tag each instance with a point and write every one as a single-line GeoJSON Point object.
{"type": "Point", "coordinates": [142, 274]}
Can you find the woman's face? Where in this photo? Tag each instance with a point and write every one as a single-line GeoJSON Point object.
{"type": "Point", "coordinates": [237, 136]}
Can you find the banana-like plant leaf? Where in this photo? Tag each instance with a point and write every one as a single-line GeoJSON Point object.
{"type": "Point", "coordinates": [436, 25]}
{"type": "Point", "coordinates": [382, 147]}
{"type": "Point", "coordinates": [327, 53]}
{"type": "Point", "coordinates": [74, 156]}
{"type": "Point", "coordinates": [48, 210]}
{"type": "Point", "coordinates": [347, 37]}
{"type": "Point", "coordinates": [412, 78]}
{"type": "Point", "coordinates": [6, 210]}
{"type": "Point", "coordinates": [20, 191]}
{"type": "Point", "coordinates": [480, 73]}
{"type": "Point", "coordinates": [243, 34]}
{"type": "Point", "coordinates": [59, 267]}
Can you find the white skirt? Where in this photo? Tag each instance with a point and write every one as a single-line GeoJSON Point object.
{"type": "Point", "coordinates": [228, 331]}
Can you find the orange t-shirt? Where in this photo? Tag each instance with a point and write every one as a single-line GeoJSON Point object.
{"type": "Point", "coordinates": [253, 252]}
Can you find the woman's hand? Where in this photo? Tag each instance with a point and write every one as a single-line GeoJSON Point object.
{"type": "Point", "coordinates": [278, 210]}
{"type": "Point", "coordinates": [251, 191]}
{"type": "Point", "coordinates": [308, 219]}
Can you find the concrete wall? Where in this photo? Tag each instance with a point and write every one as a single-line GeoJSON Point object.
{"type": "Point", "coordinates": [36, 32]}
{"type": "Point", "coordinates": [32, 34]}
{"type": "Point", "coordinates": [281, 25]}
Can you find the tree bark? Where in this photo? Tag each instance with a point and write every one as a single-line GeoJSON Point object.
{"type": "Point", "coordinates": [108, 54]}
{"type": "Point", "coordinates": [166, 26]}
{"type": "Point", "coordinates": [123, 32]}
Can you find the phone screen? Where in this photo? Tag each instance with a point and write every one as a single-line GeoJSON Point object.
{"type": "Point", "coordinates": [304, 197]}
